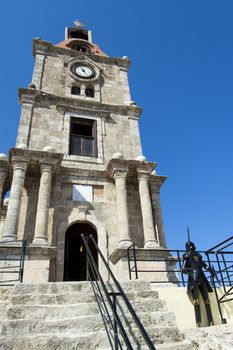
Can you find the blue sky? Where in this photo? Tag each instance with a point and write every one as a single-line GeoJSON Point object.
{"type": "Point", "coordinates": [181, 74]}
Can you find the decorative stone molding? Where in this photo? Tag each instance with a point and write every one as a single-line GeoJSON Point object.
{"type": "Point", "coordinates": [40, 47]}
{"type": "Point", "coordinates": [69, 103]}
{"type": "Point", "coordinates": [28, 95]}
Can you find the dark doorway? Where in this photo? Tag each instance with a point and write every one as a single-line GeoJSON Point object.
{"type": "Point", "coordinates": [75, 252]}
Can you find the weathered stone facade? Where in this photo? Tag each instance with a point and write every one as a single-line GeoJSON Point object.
{"type": "Point", "coordinates": [42, 171]}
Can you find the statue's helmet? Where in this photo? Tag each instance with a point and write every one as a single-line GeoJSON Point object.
{"type": "Point", "coordinates": [190, 246]}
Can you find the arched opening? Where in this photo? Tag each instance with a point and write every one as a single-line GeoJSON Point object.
{"type": "Point", "coordinates": [75, 90]}
{"type": "Point", "coordinates": [90, 92]}
{"type": "Point", "coordinates": [75, 264]}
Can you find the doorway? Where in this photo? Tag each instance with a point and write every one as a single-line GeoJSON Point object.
{"type": "Point", "coordinates": [75, 252]}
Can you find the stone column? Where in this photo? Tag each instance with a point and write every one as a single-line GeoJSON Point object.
{"type": "Point", "coordinates": [158, 218]}
{"type": "Point", "coordinates": [13, 211]}
{"type": "Point", "coordinates": [2, 179]}
{"type": "Point", "coordinates": [2, 220]}
{"type": "Point", "coordinates": [147, 213]}
{"type": "Point", "coordinates": [119, 176]}
{"type": "Point", "coordinates": [42, 214]}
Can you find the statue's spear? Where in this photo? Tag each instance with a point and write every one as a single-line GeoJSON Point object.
{"type": "Point", "coordinates": [188, 234]}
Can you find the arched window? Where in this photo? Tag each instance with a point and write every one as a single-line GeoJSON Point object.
{"type": "Point", "coordinates": [79, 48]}
{"type": "Point", "coordinates": [89, 92]}
{"type": "Point", "coordinates": [75, 90]}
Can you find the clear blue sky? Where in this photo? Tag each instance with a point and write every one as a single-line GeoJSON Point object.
{"type": "Point", "coordinates": [181, 74]}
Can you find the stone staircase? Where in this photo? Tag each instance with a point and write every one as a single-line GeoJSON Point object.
{"type": "Point", "coordinates": [65, 316]}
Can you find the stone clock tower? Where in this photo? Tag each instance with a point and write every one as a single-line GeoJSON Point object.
{"type": "Point", "coordinates": [78, 166]}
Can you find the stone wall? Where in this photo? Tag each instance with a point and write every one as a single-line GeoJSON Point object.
{"type": "Point", "coordinates": [52, 75]}
{"type": "Point", "coordinates": [49, 127]}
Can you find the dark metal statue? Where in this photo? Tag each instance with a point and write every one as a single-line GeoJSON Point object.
{"type": "Point", "coordinates": [193, 265]}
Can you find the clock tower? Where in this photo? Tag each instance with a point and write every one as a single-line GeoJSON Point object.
{"type": "Point", "coordinates": [78, 167]}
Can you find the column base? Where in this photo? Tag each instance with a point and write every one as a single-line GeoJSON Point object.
{"type": "Point", "coordinates": [8, 239]}
{"type": "Point", "coordinates": [124, 244]}
{"type": "Point", "coordinates": [40, 241]}
{"type": "Point", "coordinates": [151, 244]}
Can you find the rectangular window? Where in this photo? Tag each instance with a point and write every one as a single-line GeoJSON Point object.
{"type": "Point", "coordinates": [82, 193]}
{"type": "Point", "coordinates": [83, 137]}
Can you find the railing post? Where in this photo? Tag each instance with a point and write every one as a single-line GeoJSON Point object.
{"type": "Point", "coordinates": [87, 262]}
{"type": "Point", "coordinates": [223, 320]}
{"type": "Point", "coordinates": [135, 262]}
{"type": "Point", "coordinates": [129, 265]}
{"type": "Point", "coordinates": [180, 266]}
{"type": "Point", "coordinates": [22, 258]}
{"type": "Point", "coordinates": [115, 328]}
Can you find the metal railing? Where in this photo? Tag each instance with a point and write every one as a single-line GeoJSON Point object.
{"type": "Point", "coordinates": [222, 261]}
{"type": "Point", "coordinates": [12, 264]}
{"type": "Point", "coordinates": [116, 311]}
{"type": "Point", "coordinates": [168, 264]}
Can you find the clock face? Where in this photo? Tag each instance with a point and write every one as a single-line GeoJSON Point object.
{"type": "Point", "coordinates": [83, 71]}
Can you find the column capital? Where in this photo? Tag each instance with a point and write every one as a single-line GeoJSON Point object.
{"type": "Point", "coordinates": [143, 175]}
{"type": "Point", "coordinates": [46, 167]}
{"type": "Point", "coordinates": [19, 164]}
{"type": "Point", "coordinates": [119, 173]}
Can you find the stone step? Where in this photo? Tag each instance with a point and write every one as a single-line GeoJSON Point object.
{"type": "Point", "coordinates": [183, 345]}
{"type": "Point", "coordinates": [80, 324]}
{"type": "Point", "coordinates": [85, 340]}
{"type": "Point", "coordinates": [219, 337]}
{"type": "Point", "coordinates": [43, 289]}
{"type": "Point", "coordinates": [72, 287]}
{"type": "Point", "coordinates": [75, 325]}
{"type": "Point", "coordinates": [48, 312]}
{"type": "Point", "coordinates": [159, 335]}
{"type": "Point", "coordinates": [52, 288]}
{"type": "Point", "coordinates": [5, 299]}
{"type": "Point", "coordinates": [49, 299]}
{"type": "Point", "coordinates": [5, 295]}
{"type": "Point", "coordinates": [140, 303]}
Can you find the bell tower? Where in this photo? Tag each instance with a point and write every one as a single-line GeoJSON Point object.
{"type": "Point", "coordinates": [78, 165]}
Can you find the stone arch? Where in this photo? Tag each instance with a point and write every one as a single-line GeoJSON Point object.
{"type": "Point", "coordinates": [81, 216]}
{"type": "Point", "coordinates": [75, 258]}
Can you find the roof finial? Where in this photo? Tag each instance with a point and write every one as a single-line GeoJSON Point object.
{"type": "Point", "coordinates": [79, 24]}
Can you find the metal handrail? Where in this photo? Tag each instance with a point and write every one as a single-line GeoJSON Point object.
{"type": "Point", "coordinates": [220, 244]}
{"type": "Point", "coordinates": [112, 302]}
{"type": "Point", "coordinates": [18, 269]}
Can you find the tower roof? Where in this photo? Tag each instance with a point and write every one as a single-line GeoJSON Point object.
{"type": "Point", "coordinates": [81, 45]}
{"type": "Point", "coordinates": [80, 39]}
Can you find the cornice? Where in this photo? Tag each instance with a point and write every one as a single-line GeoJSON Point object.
{"type": "Point", "coordinates": [46, 48]}
{"type": "Point", "coordinates": [32, 156]}
{"type": "Point", "coordinates": [133, 166]}
{"type": "Point", "coordinates": [68, 104]}
{"type": "Point", "coordinates": [157, 181]}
